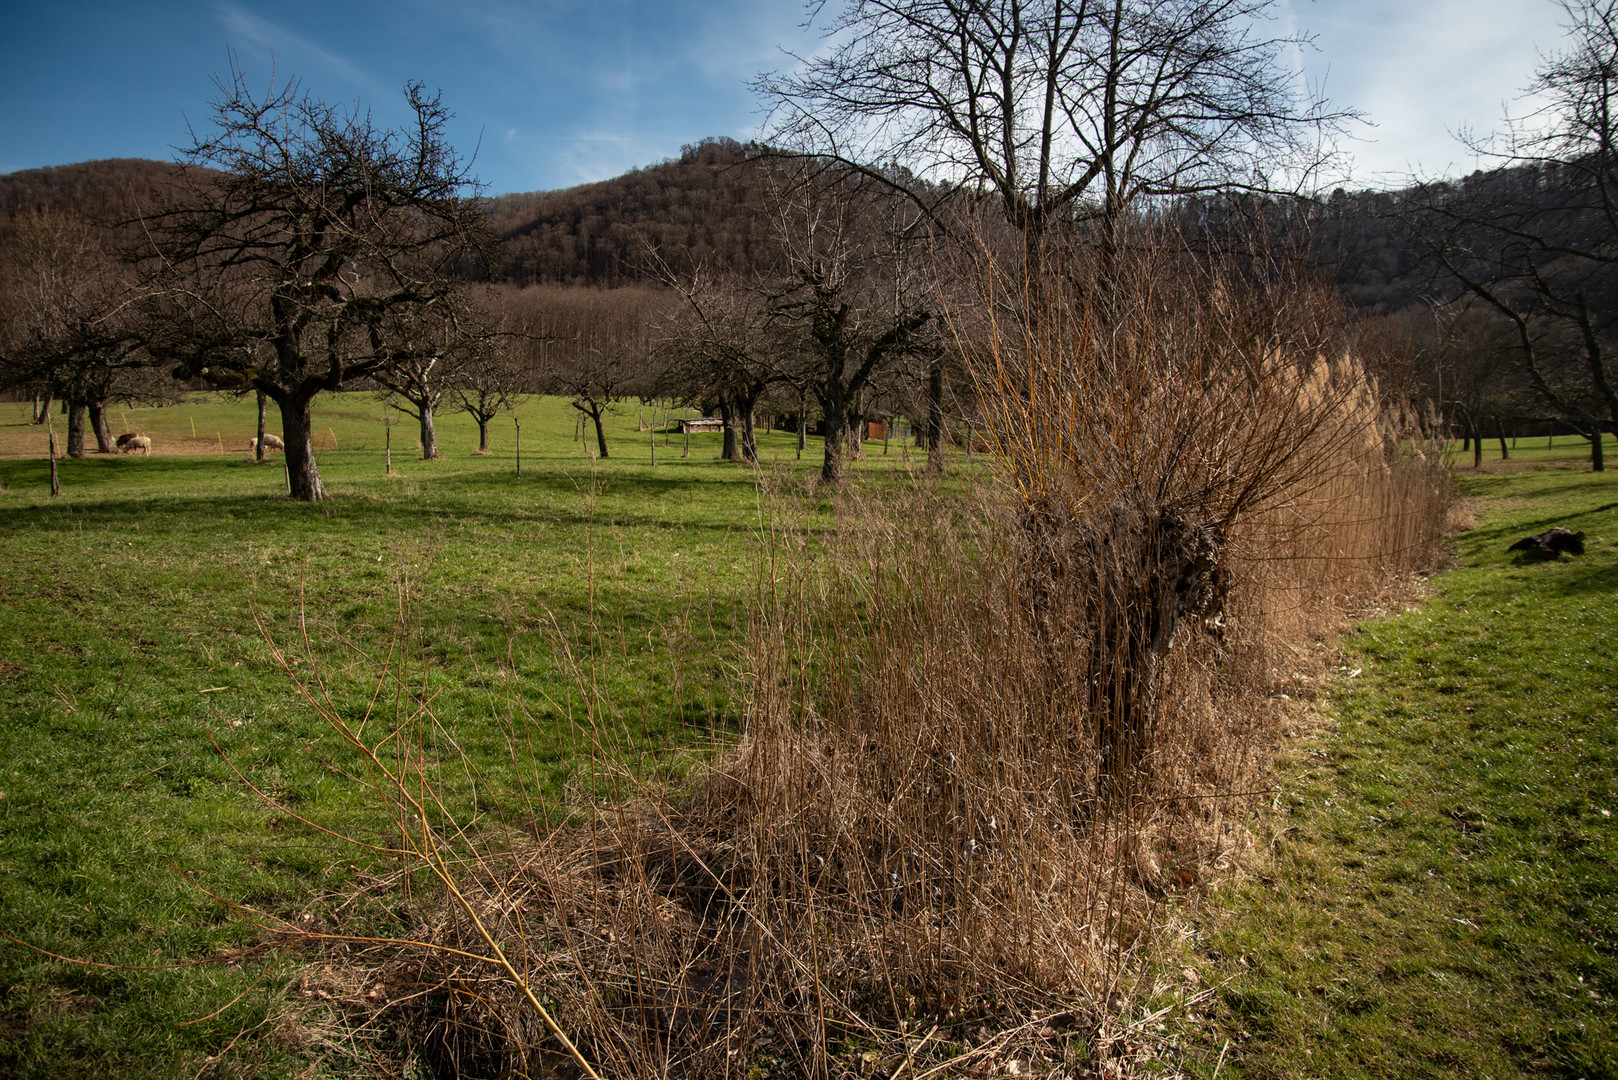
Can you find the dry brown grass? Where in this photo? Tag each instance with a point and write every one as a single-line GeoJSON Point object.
{"type": "Point", "coordinates": [986, 734]}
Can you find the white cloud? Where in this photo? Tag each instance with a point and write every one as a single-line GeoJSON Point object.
{"type": "Point", "coordinates": [1422, 72]}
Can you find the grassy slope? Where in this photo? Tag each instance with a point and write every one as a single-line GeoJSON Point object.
{"type": "Point", "coordinates": [127, 631]}
{"type": "Point", "coordinates": [1445, 892]}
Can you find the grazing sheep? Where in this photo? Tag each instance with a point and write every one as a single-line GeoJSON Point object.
{"type": "Point", "coordinates": [138, 442]}
{"type": "Point", "coordinates": [271, 442]}
{"type": "Point", "coordinates": [123, 440]}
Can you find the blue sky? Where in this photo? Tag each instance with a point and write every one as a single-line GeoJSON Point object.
{"type": "Point", "coordinates": [553, 93]}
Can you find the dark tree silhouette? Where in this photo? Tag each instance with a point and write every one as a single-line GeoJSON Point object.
{"type": "Point", "coordinates": [314, 254]}
{"type": "Point", "coordinates": [65, 330]}
{"type": "Point", "coordinates": [1062, 109]}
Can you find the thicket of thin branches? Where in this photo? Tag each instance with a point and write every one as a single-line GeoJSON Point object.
{"type": "Point", "coordinates": [989, 725]}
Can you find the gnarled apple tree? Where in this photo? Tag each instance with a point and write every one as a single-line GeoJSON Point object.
{"type": "Point", "coordinates": [308, 245]}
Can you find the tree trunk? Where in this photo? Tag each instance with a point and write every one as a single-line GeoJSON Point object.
{"type": "Point", "coordinates": [98, 421]}
{"type": "Point", "coordinates": [75, 428]}
{"type": "Point", "coordinates": [601, 436]}
{"type": "Point", "coordinates": [258, 447]}
{"type": "Point", "coordinates": [1500, 429]}
{"type": "Point", "coordinates": [1476, 434]}
{"type": "Point", "coordinates": [303, 475]}
{"type": "Point", "coordinates": [836, 460]}
{"type": "Point", "coordinates": [727, 417]}
{"type": "Point", "coordinates": [42, 409]}
{"type": "Point", "coordinates": [483, 435]}
{"type": "Point", "coordinates": [749, 436]}
{"type": "Point", "coordinates": [1598, 453]}
{"type": "Point", "coordinates": [803, 419]}
{"type": "Point", "coordinates": [429, 437]}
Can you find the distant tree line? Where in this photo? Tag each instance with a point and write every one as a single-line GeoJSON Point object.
{"type": "Point", "coordinates": [297, 250]}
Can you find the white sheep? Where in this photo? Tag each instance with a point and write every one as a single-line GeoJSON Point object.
{"type": "Point", "coordinates": [271, 442]}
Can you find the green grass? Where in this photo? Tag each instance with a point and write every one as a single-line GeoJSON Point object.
{"type": "Point", "coordinates": [1443, 901]}
{"type": "Point", "coordinates": [129, 631]}
{"type": "Point", "coordinates": [1434, 919]}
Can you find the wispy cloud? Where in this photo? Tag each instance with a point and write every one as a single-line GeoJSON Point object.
{"type": "Point", "coordinates": [284, 45]}
{"type": "Point", "coordinates": [1422, 73]}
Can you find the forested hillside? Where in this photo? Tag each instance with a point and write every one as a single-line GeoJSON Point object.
{"type": "Point", "coordinates": [706, 207]}
{"type": "Point", "coordinates": [700, 209]}
{"type": "Point", "coordinates": [99, 189]}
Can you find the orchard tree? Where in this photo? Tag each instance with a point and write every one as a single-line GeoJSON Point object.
{"type": "Point", "coordinates": [311, 251]}
{"type": "Point", "coordinates": [488, 384]}
{"type": "Point", "coordinates": [723, 347]}
{"type": "Point", "coordinates": [848, 295]}
{"type": "Point", "coordinates": [65, 330]}
{"type": "Point", "coordinates": [1062, 110]}
{"type": "Point", "coordinates": [440, 346]}
{"type": "Point", "coordinates": [595, 347]}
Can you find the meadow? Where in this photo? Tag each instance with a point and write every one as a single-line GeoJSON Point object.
{"type": "Point", "coordinates": [1439, 892]}
{"type": "Point", "coordinates": [590, 604]}
{"type": "Point", "coordinates": [136, 674]}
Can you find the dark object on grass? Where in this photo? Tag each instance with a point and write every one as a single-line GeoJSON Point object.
{"type": "Point", "coordinates": [1551, 543]}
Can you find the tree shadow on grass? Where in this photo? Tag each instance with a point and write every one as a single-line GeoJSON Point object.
{"type": "Point", "coordinates": [269, 514]}
{"type": "Point", "coordinates": [1486, 538]}
{"type": "Point", "coordinates": [1579, 579]}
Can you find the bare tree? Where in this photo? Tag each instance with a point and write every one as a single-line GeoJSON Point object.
{"type": "Point", "coordinates": [850, 293]}
{"type": "Point", "coordinates": [1536, 240]}
{"type": "Point", "coordinates": [593, 346]}
{"type": "Point", "coordinates": [313, 254]}
{"type": "Point", "coordinates": [1061, 109]}
{"type": "Point", "coordinates": [489, 383]}
{"type": "Point", "coordinates": [724, 348]}
{"type": "Point", "coordinates": [442, 344]}
{"type": "Point", "coordinates": [66, 331]}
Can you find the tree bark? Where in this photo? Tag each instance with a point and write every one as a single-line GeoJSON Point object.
{"type": "Point", "coordinates": [749, 436]}
{"type": "Point", "coordinates": [836, 460]}
{"type": "Point", "coordinates": [75, 428]}
{"type": "Point", "coordinates": [1500, 430]}
{"type": "Point", "coordinates": [42, 409]}
{"type": "Point", "coordinates": [483, 435]}
{"type": "Point", "coordinates": [429, 437]}
{"type": "Point", "coordinates": [727, 416]}
{"type": "Point", "coordinates": [858, 428]}
{"type": "Point", "coordinates": [258, 447]}
{"type": "Point", "coordinates": [593, 411]}
{"type": "Point", "coordinates": [803, 419]}
{"type": "Point", "coordinates": [98, 422]}
{"type": "Point", "coordinates": [303, 475]}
